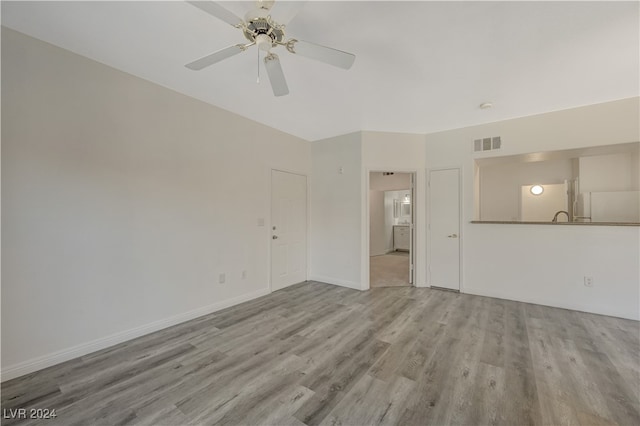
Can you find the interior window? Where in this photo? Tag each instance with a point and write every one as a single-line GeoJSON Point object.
{"type": "Point", "coordinates": [596, 184]}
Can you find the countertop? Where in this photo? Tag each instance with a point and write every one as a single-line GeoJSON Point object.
{"type": "Point", "coordinates": [508, 222]}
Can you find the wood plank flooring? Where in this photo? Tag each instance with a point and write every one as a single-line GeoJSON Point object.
{"type": "Point", "coordinates": [317, 354]}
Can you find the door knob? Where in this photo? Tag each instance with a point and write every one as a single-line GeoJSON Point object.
{"type": "Point", "coordinates": [452, 236]}
{"type": "Point", "coordinates": [275, 237]}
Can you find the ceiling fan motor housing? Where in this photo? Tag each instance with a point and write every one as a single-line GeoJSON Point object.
{"type": "Point", "coordinates": [265, 32]}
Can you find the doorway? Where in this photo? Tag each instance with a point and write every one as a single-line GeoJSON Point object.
{"type": "Point", "coordinates": [391, 229]}
{"type": "Point", "coordinates": [288, 229]}
{"type": "Point", "coordinates": [444, 229]}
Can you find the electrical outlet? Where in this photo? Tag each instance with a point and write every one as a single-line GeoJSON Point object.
{"type": "Point", "coordinates": [588, 281]}
{"type": "Point", "coordinates": [222, 278]}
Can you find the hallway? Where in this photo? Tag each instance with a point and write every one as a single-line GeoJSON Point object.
{"type": "Point", "coordinates": [389, 270]}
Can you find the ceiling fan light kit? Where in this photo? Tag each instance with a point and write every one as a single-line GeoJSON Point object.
{"type": "Point", "coordinates": [259, 29]}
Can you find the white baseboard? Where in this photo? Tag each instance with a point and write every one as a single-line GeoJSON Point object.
{"type": "Point", "coordinates": [600, 310]}
{"type": "Point", "coordinates": [336, 281]}
{"type": "Point", "coordinates": [35, 364]}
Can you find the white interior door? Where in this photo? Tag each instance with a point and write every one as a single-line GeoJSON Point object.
{"type": "Point", "coordinates": [444, 228]}
{"type": "Point", "coordinates": [288, 229]}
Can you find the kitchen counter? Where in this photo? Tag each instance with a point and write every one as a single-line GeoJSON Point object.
{"type": "Point", "coordinates": [508, 222]}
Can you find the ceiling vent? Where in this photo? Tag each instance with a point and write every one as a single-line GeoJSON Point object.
{"type": "Point", "coordinates": [487, 144]}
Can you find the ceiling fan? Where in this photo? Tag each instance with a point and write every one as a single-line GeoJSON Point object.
{"type": "Point", "coordinates": [260, 29]}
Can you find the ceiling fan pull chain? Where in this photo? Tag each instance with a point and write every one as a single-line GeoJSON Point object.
{"type": "Point", "coordinates": [258, 50]}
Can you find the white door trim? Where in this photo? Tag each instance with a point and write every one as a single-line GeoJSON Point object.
{"type": "Point", "coordinates": [460, 228]}
{"type": "Point", "coordinates": [270, 221]}
{"type": "Point", "coordinates": [365, 264]}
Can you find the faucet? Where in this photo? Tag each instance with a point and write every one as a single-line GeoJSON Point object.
{"type": "Point", "coordinates": [555, 216]}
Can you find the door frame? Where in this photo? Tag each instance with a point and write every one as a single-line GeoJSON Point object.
{"type": "Point", "coordinates": [460, 229]}
{"type": "Point", "coordinates": [270, 220]}
{"type": "Point", "coordinates": [365, 263]}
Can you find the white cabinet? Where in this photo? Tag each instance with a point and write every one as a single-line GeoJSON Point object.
{"type": "Point", "coordinates": [401, 237]}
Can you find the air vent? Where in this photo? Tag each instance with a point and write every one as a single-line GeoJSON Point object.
{"type": "Point", "coordinates": [487, 144]}
{"type": "Point", "coordinates": [496, 142]}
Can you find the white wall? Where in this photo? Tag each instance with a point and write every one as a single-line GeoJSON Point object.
{"type": "Point", "coordinates": [546, 263]}
{"type": "Point", "coordinates": [336, 222]}
{"type": "Point", "coordinates": [377, 223]}
{"type": "Point", "coordinates": [122, 202]}
{"type": "Point", "coordinates": [398, 152]}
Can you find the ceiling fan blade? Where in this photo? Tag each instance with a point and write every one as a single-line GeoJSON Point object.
{"type": "Point", "coordinates": [276, 76]}
{"type": "Point", "coordinates": [330, 56]}
{"type": "Point", "coordinates": [218, 11]}
{"type": "Point", "coordinates": [218, 56]}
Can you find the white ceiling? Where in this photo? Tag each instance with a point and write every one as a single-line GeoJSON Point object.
{"type": "Point", "coordinates": [420, 67]}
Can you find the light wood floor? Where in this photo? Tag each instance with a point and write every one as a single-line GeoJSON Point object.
{"type": "Point", "coordinates": [319, 354]}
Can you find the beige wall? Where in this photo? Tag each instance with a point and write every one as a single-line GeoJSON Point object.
{"type": "Point", "coordinates": [500, 185]}
{"type": "Point", "coordinates": [123, 201]}
{"type": "Point", "coordinates": [545, 206]}
{"type": "Point", "coordinates": [336, 225]}
{"type": "Point", "coordinates": [379, 182]}
{"type": "Point", "coordinates": [377, 225]}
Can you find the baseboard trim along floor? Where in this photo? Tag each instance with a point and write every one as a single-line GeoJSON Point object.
{"type": "Point", "coordinates": [58, 357]}
{"type": "Point", "coordinates": [454, 290]}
